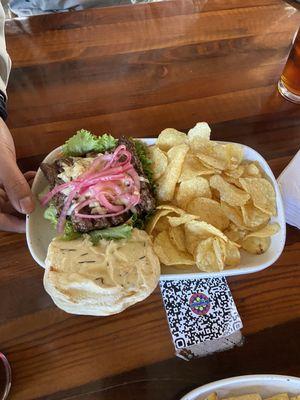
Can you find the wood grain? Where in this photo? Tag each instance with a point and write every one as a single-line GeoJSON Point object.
{"type": "Point", "coordinates": [135, 71]}
{"type": "Point", "coordinates": [117, 75]}
{"type": "Point", "coordinates": [171, 379]}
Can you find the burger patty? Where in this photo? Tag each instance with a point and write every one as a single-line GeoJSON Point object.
{"type": "Point", "coordinates": [146, 204]}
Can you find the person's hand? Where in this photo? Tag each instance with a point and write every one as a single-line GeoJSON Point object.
{"type": "Point", "coordinates": [15, 194]}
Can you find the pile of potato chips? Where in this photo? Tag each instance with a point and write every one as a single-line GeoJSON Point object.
{"type": "Point", "coordinates": [212, 202]}
{"type": "Point", "coordinates": [253, 396]}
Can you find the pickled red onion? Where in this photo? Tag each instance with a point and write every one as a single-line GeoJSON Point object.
{"type": "Point", "coordinates": [110, 181]}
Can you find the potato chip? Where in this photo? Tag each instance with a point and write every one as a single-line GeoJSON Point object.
{"type": "Point", "coordinates": [172, 208]}
{"type": "Point", "coordinates": [220, 251]}
{"type": "Point", "coordinates": [267, 231]}
{"type": "Point", "coordinates": [201, 130]}
{"type": "Point", "coordinates": [209, 167]}
{"type": "Point", "coordinates": [253, 217]}
{"type": "Point", "coordinates": [235, 155]}
{"type": "Point", "coordinates": [295, 397]}
{"type": "Point", "coordinates": [233, 181]}
{"type": "Point", "coordinates": [194, 233]}
{"type": "Point", "coordinates": [167, 182]}
{"type": "Point", "coordinates": [198, 138]}
{"type": "Point", "coordinates": [191, 241]}
{"type": "Point", "coordinates": [280, 396]}
{"type": "Point", "coordinates": [252, 396]}
{"type": "Point", "coordinates": [159, 220]}
{"type": "Point", "coordinates": [215, 195]}
{"type": "Point", "coordinates": [177, 237]}
{"type": "Point", "coordinates": [219, 156]}
{"type": "Point", "coordinates": [152, 224]}
{"type": "Point", "coordinates": [167, 253]}
{"type": "Point", "coordinates": [193, 167]}
{"type": "Point", "coordinates": [262, 194]}
{"type": "Point", "coordinates": [209, 211]}
{"type": "Point", "coordinates": [209, 257]}
{"type": "Point", "coordinates": [252, 170]}
{"type": "Point", "coordinates": [189, 189]}
{"type": "Point", "coordinates": [228, 192]}
{"type": "Point", "coordinates": [213, 396]}
{"type": "Point", "coordinates": [256, 245]}
{"type": "Point", "coordinates": [235, 234]}
{"type": "Point", "coordinates": [169, 138]}
{"type": "Point", "coordinates": [234, 214]}
{"type": "Point", "coordinates": [159, 161]}
{"type": "Point", "coordinates": [183, 219]}
{"type": "Point", "coordinates": [233, 255]}
{"type": "Point", "coordinates": [234, 173]}
{"type": "Point", "coordinates": [162, 225]}
{"type": "Point", "coordinates": [212, 155]}
{"type": "Point", "coordinates": [204, 230]}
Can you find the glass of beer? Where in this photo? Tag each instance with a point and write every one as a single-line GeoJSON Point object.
{"type": "Point", "coordinates": [289, 82]}
{"type": "Point", "coordinates": [5, 377]}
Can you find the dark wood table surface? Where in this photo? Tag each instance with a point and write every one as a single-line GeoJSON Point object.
{"type": "Point", "coordinates": [135, 70]}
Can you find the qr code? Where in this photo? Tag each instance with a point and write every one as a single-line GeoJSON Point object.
{"type": "Point", "coordinates": [199, 310]}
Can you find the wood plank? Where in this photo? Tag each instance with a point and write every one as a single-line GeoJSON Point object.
{"type": "Point", "coordinates": [181, 115]}
{"type": "Point", "coordinates": [172, 379]}
{"type": "Point", "coordinates": [121, 37]}
{"type": "Point", "coordinates": [177, 74]}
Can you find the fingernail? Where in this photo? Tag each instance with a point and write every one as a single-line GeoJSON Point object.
{"type": "Point", "coordinates": [26, 205]}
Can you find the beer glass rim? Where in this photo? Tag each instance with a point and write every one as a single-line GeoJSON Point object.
{"type": "Point", "coordinates": [7, 368]}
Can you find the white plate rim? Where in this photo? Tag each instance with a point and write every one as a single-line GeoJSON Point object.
{"type": "Point", "coordinates": [187, 275]}
{"type": "Point", "coordinates": [246, 379]}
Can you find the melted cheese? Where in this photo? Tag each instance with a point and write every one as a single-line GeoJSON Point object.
{"type": "Point", "coordinates": [71, 172]}
{"type": "Point", "coordinates": [103, 279]}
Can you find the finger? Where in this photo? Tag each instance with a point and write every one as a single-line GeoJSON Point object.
{"type": "Point", "coordinates": [3, 194]}
{"type": "Point", "coordinates": [16, 186]}
{"type": "Point", "coordinates": [29, 175]}
{"type": "Point", "coordinates": [10, 223]}
{"type": "Point", "coordinates": [3, 198]}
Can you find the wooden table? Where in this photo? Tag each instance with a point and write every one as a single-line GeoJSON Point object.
{"type": "Point", "coordinates": [136, 70]}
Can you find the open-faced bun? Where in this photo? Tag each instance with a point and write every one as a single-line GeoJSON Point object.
{"type": "Point", "coordinates": [104, 279]}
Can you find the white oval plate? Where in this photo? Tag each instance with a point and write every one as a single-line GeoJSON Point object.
{"type": "Point", "coordinates": [39, 231]}
{"type": "Point", "coordinates": [265, 385]}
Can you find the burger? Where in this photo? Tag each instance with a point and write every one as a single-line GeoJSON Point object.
{"type": "Point", "coordinates": [100, 195]}
{"type": "Point", "coordinates": [100, 186]}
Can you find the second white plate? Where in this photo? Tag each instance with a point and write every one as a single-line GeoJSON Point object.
{"type": "Point", "coordinates": [265, 385]}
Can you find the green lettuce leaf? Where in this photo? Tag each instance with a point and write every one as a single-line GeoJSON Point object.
{"type": "Point", "coordinates": [51, 214]}
{"type": "Point", "coordinates": [105, 143]}
{"type": "Point", "coordinates": [115, 233]}
{"type": "Point", "coordinates": [69, 233]}
{"type": "Point", "coordinates": [138, 222]}
{"type": "Point", "coordinates": [142, 151]}
{"type": "Point", "coordinates": [84, 142]}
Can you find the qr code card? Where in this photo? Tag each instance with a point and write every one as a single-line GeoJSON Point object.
{"type": "Point", "coordinates": [199, 310]}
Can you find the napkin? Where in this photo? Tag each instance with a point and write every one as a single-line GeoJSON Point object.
{"type": "Point", "coordinates": [289, 185]}
{"type": "Point", "coordinates": [202, 316]}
